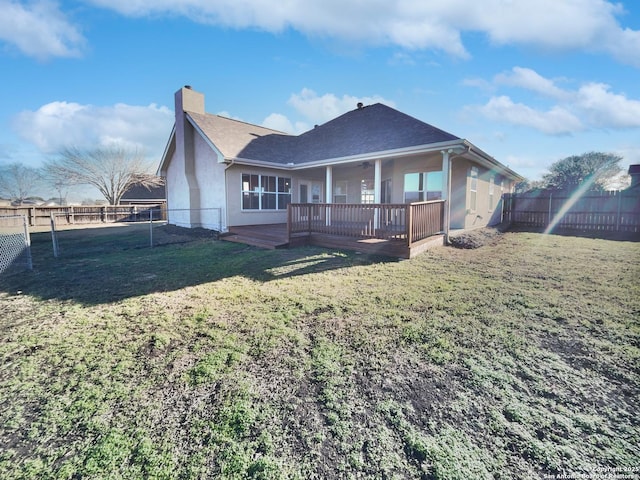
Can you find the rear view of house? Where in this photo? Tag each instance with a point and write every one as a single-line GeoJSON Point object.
{"type": "Point", "coordinates": [368, 159]}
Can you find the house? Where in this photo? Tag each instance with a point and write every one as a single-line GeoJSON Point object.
{"type": "Point", "coordinates": [139, 194]}
{"type": "Point", "coordinates": [372, 173]}
{"type": "Point", "coordinates": [634, 173]}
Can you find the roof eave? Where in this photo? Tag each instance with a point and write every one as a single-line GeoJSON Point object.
{"type": "Point", "coordinates": [166, 155]}
{"type": "Point", "coordinates": [487, 160]}
{"type": "Point", "coordinates": [395, 153]}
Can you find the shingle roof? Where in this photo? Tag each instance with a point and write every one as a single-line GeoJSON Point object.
{"type": "Point", "coordinates": [140, 192]}
{"type": "Point", "coordinates": [232, 137]}
{"type": "Point", "coordinates": [375, 128]}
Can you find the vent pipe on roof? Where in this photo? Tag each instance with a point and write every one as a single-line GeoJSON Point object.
{"type": "Point", "coordinates": [188, 87]}
{"type": "Point", "coordinates": [360, 105]}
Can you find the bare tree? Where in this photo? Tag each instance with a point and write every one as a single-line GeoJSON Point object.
{"type": "Point", "coordinates": [18, 181]}
{"type": "Point", "coordinates": [112, 170]}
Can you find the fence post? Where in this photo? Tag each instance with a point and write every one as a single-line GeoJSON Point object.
{"type": "Point", "coordinates": [27, 243]}
{"type": "Point", "coordinates": [550, 218]}
{"type": "Point", "coordinates": [409, 223]}
{"type": "Point", "coordinates": [54, 237]}
{"type": "Point", "coordinates": [618, 219]}
{"type": "Point", "coordinates": [151, 227]}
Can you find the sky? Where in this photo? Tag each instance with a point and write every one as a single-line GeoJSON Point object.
{"type": "Point", "coordinates": [528, 81]}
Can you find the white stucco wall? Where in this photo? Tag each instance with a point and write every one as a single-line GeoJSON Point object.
{"type": "Point", "coordinates": [209, 210]}
{"type": "Point", "coordinates": [177, 192]}
{"type": "Point", "coordinates": [211, 179]}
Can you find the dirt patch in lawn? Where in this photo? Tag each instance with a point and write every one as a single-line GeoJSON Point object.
{"type": "Point", "coordinates": [476, 238]}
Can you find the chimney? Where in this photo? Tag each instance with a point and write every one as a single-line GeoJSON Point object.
{"type": "Point", "coordinates": [188, 100]}
{"type": "Point", "coordinates": [634, 173]}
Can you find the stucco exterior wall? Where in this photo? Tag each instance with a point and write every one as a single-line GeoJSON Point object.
{"type": "Point", "coordinates": [462, 213]}
{"type": "Point", "coordinates": [211, 179]}
{"type": "Point", "coordinates": [458, 200]}
{"type": "Point", "coordinates": [207, 175]}
{"type": "Point", "coordinates": [177, 192]}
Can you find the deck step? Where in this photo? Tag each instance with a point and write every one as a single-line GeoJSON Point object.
{"type": "Point", "coordinates": [255, 242]}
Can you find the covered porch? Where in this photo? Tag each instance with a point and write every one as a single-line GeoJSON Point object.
{"type": "Point", "coordinates": [396, 230]}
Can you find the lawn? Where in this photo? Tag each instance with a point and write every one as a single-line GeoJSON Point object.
{"type": "Point", "coordinates": [207, 359]}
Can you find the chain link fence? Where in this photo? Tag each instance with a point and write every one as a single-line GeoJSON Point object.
{"type": "Point", "coordinates": [148, 228]}
{"type": "Point", "coordinates": [15, 244]}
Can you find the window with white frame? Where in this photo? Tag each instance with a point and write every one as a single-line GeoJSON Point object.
{"type": "Point", "coordinates": [367, 192]}
{"type": "Point", "coordinates": [265, 192]}
{"type": "Point", "coordinates": [473, 189]}
{"type": "Point", "coordinates": [340, 192]}
{"type": "Point", "coordinates": [419, 187]}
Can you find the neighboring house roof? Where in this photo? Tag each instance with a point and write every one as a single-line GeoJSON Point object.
{"type": "Point", "coordinates": [140, 192]}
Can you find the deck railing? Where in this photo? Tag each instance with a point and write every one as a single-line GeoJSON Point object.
{"type": "Point", "coordinates": [411, 222]}
{"type": "Point", "coordinates": [425, 219]}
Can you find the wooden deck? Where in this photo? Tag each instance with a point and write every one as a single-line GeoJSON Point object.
{"type": "Point", "coordinates": [263, 236]}
{"type": "Point", "coordinates": [276, 236]}
{"type": "Point", "coordinates": [395, 230]}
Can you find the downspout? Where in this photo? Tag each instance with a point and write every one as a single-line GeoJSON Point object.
{"type": "Point", "coordinates": [230, 164]}
{"type": "Point", "coordinates": [449, 169]}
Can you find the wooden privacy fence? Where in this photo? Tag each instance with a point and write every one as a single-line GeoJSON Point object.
{"type": "Point", "coordinates": [410, 222]}
{"type": "Point", "coordinates": [591, 211]}
{"type": "Point", "coordinates": [41, 216]}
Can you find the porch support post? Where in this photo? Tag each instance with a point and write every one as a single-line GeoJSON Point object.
{"type": "Point", "coordinates": [328, 193]}
{"type": "Point", "coordinates": [377, 186]}
{"type": "Point", "coordinates": [446, 191]}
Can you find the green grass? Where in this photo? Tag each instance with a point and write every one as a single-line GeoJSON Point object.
{"type": "Point", "coordinates": [209, 359]}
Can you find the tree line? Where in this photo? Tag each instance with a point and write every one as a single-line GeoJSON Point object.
{"type": "Point", "coordinates": [112, 170]}
{"type": "Point", "coordinates": [595, 171]}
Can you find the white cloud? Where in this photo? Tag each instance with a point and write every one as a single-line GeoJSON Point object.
{"type": "Point", "coordinates": [607, 109]}
{"type": "Point", "coordinates": [39, 29]}
{"type": "Point", "coordinates": [317, 110]}
{"type": "Point", "coordinates": [415, 24]}
{"type": "Point", "coordinates": [531, 80]}
{"type": "Point", "coordinates": [592, 105]}
{"type": "Point", "coordinates": [64, 124]}
{"type": "Point", "coordinates": [555, 121]}
{"type": "Point", "coordinates": [277, 121]}
{"type": "Point", "coordinates": [320, 109]}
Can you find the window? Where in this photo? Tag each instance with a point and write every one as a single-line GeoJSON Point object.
{"type": "Point", "coordinates": [492, 182]}
{"type": "Point", "coordinates": [340, 192]}
{"type": "Point", "coordinates": [367, 193]}
{"type": "Point", "coordinates": [473, 189]}
{"type": "Point", "coordinates": [265, 192]}
{"type": "Point", "coordinates": [419, 187]}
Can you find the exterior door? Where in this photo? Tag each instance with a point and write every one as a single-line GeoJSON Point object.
{"type": "Point", "coordinates": [311, 192]}
{"type": "Point", "coordinates": [304, 193]}
{"type": "Point", "coordinates": [385, 191]}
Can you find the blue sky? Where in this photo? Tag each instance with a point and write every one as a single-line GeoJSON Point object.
{"type": "Point", "coordinates": [528, 81]}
